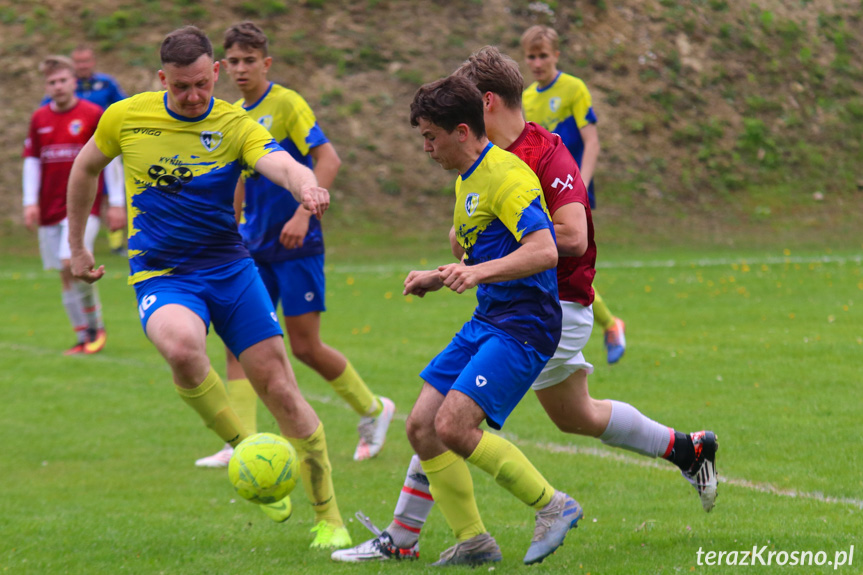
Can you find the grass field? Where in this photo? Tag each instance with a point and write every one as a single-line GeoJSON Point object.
{"type": "Point", "coordinates": [764, 348]}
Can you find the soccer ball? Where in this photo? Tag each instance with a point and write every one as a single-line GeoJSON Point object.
{"type": "Point", "coordinates": [264, 468]}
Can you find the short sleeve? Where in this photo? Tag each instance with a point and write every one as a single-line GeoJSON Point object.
{"type": "Point", "coordinates": [519, 204]}
{"type": "Point", "coordinates": [107, 136]}
{"type": "Point", "coordinates": [32, 149]}
{"type": "Point", "coordinates": [257, 142]}
{"type": "Point", "coordinates": [582, 106]}
{"type": "Point", "coordinates": [301, 125]}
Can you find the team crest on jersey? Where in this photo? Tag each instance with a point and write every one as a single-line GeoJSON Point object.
{"type": "Point", "coordinates": [554, 104]}
{"type": "Point", "coordinates": [75, 127]}
{"type": "Point", "coordinates": [470, 204]}
{"type": "Point", "coordinates": [211, 140]}
{"type": "Point", "coordinates": [266, 121]}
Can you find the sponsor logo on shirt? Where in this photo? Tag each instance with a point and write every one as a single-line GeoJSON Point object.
{"type": "Point", "coordinates": [172, 182]}
{"type": "Point", "coordinates": [147, 131]}
{"type": "Point", "coordinates": [45, 130]}
{"type": "Point", "coordinates": [60, 153]}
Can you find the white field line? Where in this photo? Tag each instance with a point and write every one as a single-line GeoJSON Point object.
{"type": "Point", "coordinates": [623, 457]}
{"type": "Point", "coordinates": [620, 456]}
{"type": "Point", "coordinates": [7, 275]}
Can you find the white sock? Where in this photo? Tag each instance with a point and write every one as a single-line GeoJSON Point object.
{"type": "Point", "coordinates": [629, 429]}
{"type": "Point", "coordinates": [90, 306]}
{"type": "Point", "coordinates": [413, 507]}
{"type": "Point", "coordinates": [72, 304]}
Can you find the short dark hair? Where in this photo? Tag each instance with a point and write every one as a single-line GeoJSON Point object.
{"type": "Point", "coordinates": [184, 46]}
{"type": "Point", "coordinates": [247, 35]}
{"type": "Point", "coordinates": [492, 71]}
{"type": "Point", "coordinates": [449, 102]}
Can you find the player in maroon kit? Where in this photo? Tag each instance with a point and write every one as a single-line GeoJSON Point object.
{"type": "Point", "coordinates": [562, 386]}
{"type": "Point", "coordinates": [58, 131]}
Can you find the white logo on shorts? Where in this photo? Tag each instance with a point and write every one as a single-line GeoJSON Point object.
{"type": "Point", "coordinates": [310, 295]}
{"type": "Point", "coordinates": [274, 316]}
{"type": "Point", "coordinates": [146, 302]}
{"type": "Point", "coordinates": [481, 381]}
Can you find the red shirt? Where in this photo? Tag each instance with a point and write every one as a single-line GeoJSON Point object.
{"type": "Point", "coordinates": [56, 138]}
{"type": "Point", "coordinates": [561, 182]}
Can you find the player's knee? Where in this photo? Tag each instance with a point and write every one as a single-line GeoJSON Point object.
{"type": "Point", "coordinates": [451, 430]}
{"type": "Point", "coordinates": [304, 353]}
{"type": "Point", "coordinates": [419, 431]}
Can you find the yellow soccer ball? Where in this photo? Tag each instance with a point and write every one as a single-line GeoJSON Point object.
{"type": "Point", "coordinates": [264, 468]}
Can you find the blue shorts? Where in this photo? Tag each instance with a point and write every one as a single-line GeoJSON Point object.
{"type": "Point", "coordinates": [299, 284]}
{"type": "Point", "coordinates": [232, 296]}
{"type": "Point", "coordinates": [489, 366]}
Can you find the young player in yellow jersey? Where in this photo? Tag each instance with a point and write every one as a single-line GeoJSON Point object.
{"type": "Point", "coordinates": [501, 222]}
{"type": "Point", "coordinates": [183, 152]}
{"type": "Point", "coordinates": [561, 104]}
{"type": "Point", "coordinates": [287, 244]}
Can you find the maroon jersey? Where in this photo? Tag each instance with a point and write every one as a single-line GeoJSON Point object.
{"type": "Point", "coordinates": [55, 138]}
{"type": "Point", "coordinates": [558, 173]}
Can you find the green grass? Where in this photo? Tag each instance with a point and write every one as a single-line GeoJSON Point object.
{"type": "Point", "coordinates": [763, 347]}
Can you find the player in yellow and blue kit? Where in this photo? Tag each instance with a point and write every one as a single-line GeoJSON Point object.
{"type": "Point", "coordinates": [561, 104]}
{"type": "Point", "coordinates": [287, 243]}
{"type": "Point", "coordinates": [183, 152]}
{"type": "Point", "coordinates": [502, 223]}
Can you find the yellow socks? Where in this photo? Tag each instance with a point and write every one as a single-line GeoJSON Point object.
{"type": "Point", "coordinates": [351, 387]}
{"type": "Point", "coordinates": [316, 471]}
{"type": "Point", "coordinates": [601, 313]}
{"type": "Point", "coordinates": [451, 486]}
{"type": "Point", "coordinates": [244, 400]}
{"type": "Point", "coordinates": [116, 238]}
{"type": "Point", "coordinates": [210, 400]}
{"type": "Point", "coordinates": [511, 469]}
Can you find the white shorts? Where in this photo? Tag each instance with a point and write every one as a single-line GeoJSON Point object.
{"type": "Point", "coordinates": [54, 242]}
{"type": "Point", "coordinates": [568, 358]}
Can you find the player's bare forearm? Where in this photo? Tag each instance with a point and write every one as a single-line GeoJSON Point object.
{"type": "Point", "coordinates": [327, 164]}
{"type": "Point", "coordinates": [590, 157]}
{"type": "Point", "coordinates": [280, 168]}
{"type": "Point", "coordinates": [537, 253]}
{"type": "Point", "coordinates": [81, 191]}
{"type": "Point", "coordinates": [570, 229]}
{"type": "Point", "coordinates": [80, 194]}
{"type": "Point", "coordinates": [420, 282]}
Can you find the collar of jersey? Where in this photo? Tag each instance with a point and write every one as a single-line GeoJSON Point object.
{"type": "Point", "coordinates": [184, 118]}
{"type": "Point", "coordinates": [485, 150]}
{"type": "Point", "coordinates": [538, 89]}
{"type": "Point", "coordinates": [261, 99]}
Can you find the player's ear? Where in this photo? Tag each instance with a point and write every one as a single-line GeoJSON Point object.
{"type": "Point", "coordinates": [487, 100]}
{"type": "Point", "coordinates": [216, 70]}
{"type": "Point", "coordinates": [163, 79]}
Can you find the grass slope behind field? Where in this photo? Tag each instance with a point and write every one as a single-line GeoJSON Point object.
{"type": "Point", "coordinates": [761, 348]}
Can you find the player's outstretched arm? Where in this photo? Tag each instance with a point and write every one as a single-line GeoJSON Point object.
{"type": "Point", "coordinates": [280, 168]}
{"type": "Point", "coordinates": [80, 194]}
